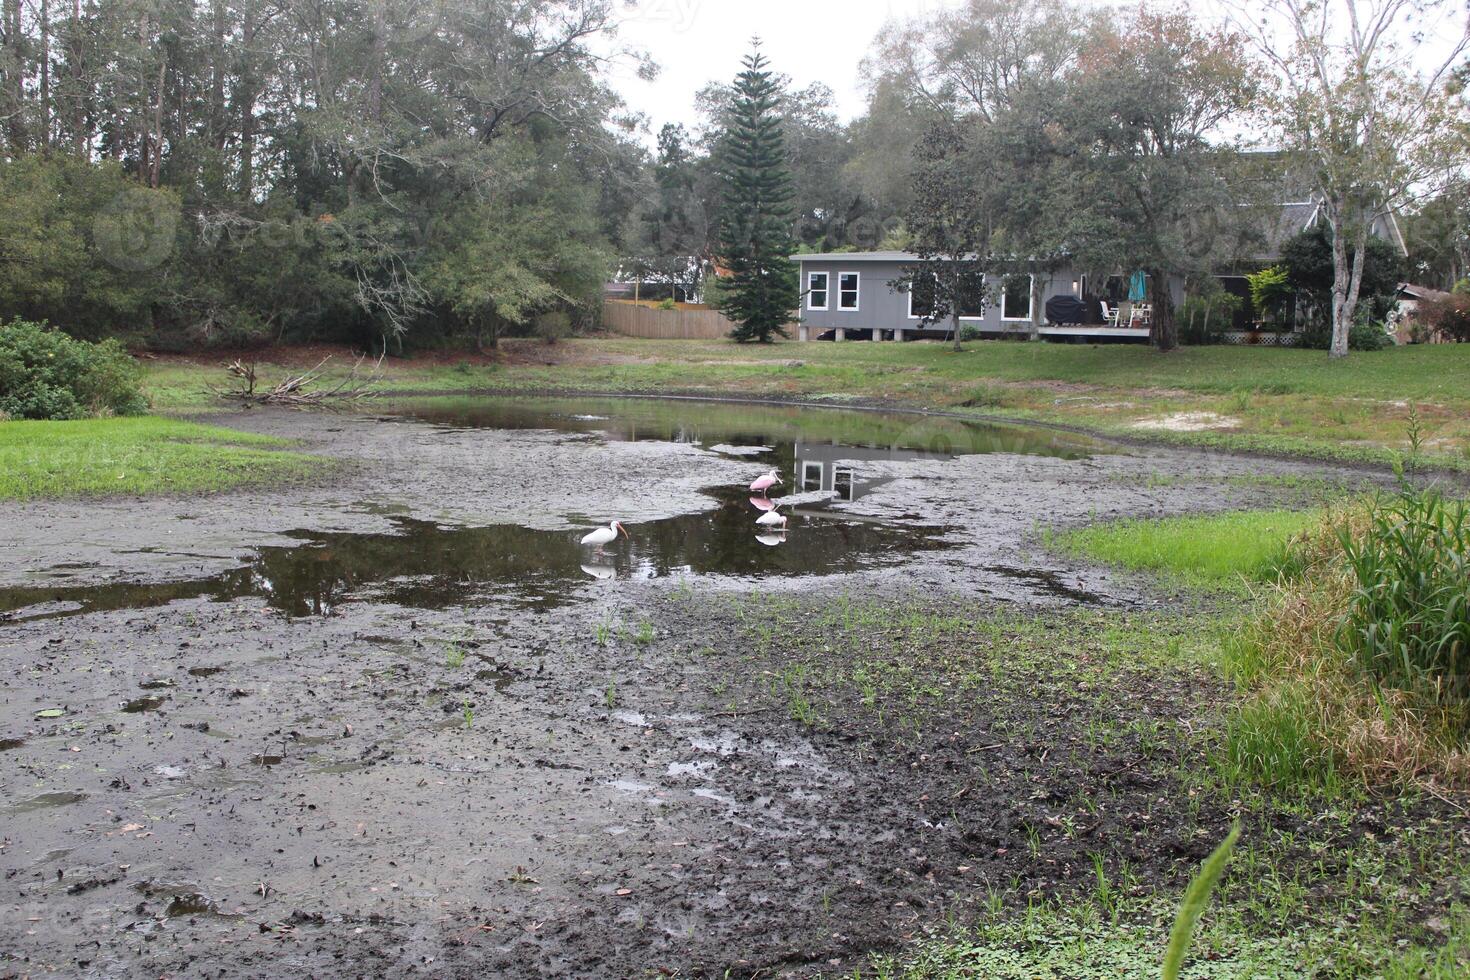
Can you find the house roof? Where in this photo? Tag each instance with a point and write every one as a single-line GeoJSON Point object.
{"type": "Point", "coordinates": [1412, 291]}
{"type": "Point", "coordinates": [856, 257]}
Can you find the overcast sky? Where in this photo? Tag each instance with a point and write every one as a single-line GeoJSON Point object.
{"type": "Point", "coordinates": [698, 41]}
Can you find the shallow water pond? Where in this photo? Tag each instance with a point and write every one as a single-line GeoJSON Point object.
{"type": "Point", "coordinates": [825, 457]}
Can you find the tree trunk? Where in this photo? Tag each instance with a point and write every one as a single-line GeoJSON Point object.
{"type": "Point", "coordinates": [955, 326]}
{"type": "Point", "coordinates": [45, 76]}
{"type": "Point", "coordinates": [155, 166]}
{"type": "Point", "coordinates": [81, 138]}
{"type": "Point", "coordinates": [13, 61]}
{"type": "Point", "coordinates": [1163, 331]}
{"type": "Point", "coordinates": [245, 101]}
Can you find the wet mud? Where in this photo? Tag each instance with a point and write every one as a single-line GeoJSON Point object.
{"type": "Point", "coordinates": [396, 725]}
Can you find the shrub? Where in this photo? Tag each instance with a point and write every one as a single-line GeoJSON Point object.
{"type": "Point", "coordinates": [552, 327]}
{"type": "Point", "coordinates": [1362, 337]}
{"type": "Point", "coordinates": [1270, 291]}
{"type": "Point", "coordinates": [44, 374]}
{"type": "Point", "coordinates": [668, 304]}
{"type": "Point", "coordinates": [1203, 319]}
{"type": "Point", "coordinates": [1449, 316]}
{"type": "Point", "coordinates": [968, 331]}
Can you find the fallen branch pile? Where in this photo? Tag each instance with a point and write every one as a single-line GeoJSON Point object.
{"type": "Point", "coordinates": [302, 389]}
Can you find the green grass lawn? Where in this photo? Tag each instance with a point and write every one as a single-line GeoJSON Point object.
{"type": "Point", "coordinates": [139, 455]}
{"type": "Point", "coordinates": [1271, 400]}
{"type": "Point", "coordinates": [1217, 550]}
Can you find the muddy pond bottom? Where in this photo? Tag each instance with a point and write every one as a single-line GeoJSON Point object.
{"type": "Point", "coordinates": [825, 458]}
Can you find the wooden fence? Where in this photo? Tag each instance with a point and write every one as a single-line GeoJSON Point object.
{"type": "Point", "coordinates": [632, 320]}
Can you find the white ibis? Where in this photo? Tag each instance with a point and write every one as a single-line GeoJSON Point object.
{"type": "Point", "coordinates": [606, 535]}
{"type": "Point", "coordinates": [602, 573]}
{"type": "Point", "coordinates": [772, 518]}
{"type": "Point", "coordinates": [763, 484]}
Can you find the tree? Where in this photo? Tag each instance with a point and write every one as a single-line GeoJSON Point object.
{"type": "Point", "coordinates": [951, 232]}
{"type": "Point", "coordinates": [1373, 134]}
{"type": "Point", "coordinates": [755, 228]}
{"type": "Point", "coordinates": [1140, 183]}
{"type": "Point", "coordinates": [1308, 259]}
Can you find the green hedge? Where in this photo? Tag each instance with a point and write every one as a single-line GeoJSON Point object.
{"type": "Point", "coordinates": [44, 374]}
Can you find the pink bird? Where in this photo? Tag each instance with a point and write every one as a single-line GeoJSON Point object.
{"type": "Point", "coordinates": [762, 503]}
{"type": "Point", "coordinates": [763, 484]}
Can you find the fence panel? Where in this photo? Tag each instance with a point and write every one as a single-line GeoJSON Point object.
{"type": "Point", "coordinates": [633, 320]}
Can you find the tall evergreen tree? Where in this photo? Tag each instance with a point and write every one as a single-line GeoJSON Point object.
{"type": "Point", "coordinates": [755, 231]}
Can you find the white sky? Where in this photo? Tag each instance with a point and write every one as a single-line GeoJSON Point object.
{"type": "Point", "coordinates": [698, 41]}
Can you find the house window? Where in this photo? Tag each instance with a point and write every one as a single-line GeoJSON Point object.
{"type": "Point", "coordinates": [972, 298]}
{"type": "Point", "coordinates": [1016, 298]}
{"type": "Point", "coordinates": [816, 291]}
{"type": "Point", "coordinates": [921, 298]}
{"type": "Point", "coordinates": [842, 483]}
{"type": "Point", "coordinates": [847, 290]}
{"type": "Point", "coordinates": [811, 477]}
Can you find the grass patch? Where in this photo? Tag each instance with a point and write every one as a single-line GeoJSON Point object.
{"type": "Point", "coordinates": [1214, 550]}
{"type": "Point", "coordinates": [138, 456]}
{"type": "Point", "coordinates": [1357, 666]}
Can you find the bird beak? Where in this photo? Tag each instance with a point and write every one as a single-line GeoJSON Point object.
{"type": "Point", "coordinates": [625, 532]}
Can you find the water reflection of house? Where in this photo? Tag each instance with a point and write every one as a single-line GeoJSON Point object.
{"type": "Point", "coordinates": [834, 469]}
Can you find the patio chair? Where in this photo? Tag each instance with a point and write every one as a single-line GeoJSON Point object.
{"type": "Point", "coordinates": [1109, 314]}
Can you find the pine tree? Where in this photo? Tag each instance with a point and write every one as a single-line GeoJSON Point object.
{"type": "Point", "coordinates": [762, 294]}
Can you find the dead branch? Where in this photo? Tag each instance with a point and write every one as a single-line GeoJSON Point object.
{"type": "Point", "coordinates": [305, 388]}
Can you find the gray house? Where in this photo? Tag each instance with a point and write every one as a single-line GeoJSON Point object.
{"type": "Point", "coordinates": [847, 295]}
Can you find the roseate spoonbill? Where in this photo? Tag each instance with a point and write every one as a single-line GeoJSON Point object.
{"type": "Point", "coordinates": [773, 518]}
{"type": "Point", "coordinates": [763, 484]}
{"type": "Point", "coordinates": [605, 535]}
{"type": "Point", "coordinates": [772, 538]}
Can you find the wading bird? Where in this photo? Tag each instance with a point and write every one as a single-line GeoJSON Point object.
{"type": "Point", "coordinates": [772, 518]}
{"type": "Point", "coordinates": [763, 484]}
{"type": "Point", "coordinates": [606, 535]}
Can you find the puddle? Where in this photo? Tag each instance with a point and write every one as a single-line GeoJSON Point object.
{"type": "Point", "coordinates": [822, 454]}
{"type": "Point", "coordinates": [140, 705]}
{"type": "Point", "coordinates": [6, 744]}
{"type": "Point", "coordinates": [47, 800]}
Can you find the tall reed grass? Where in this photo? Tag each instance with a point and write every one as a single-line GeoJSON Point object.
{"type": "Point", "coordinates": [1356, 670]}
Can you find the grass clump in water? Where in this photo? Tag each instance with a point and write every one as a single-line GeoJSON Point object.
{"type": "Point", "coordinates": [1216, 550]}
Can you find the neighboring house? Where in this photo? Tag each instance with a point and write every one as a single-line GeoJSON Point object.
{"type": "Point", "coordinates": [1291, 219]}
{"type": "Point", "coordinates": [849, 295]}
{"type": "Point", "coordinates": [1405, 320]}
{"type": "Point", "coordinates": [676, 277]}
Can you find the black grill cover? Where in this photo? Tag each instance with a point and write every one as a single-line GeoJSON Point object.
{"type": "Point", "coordinates": [1064, 310]}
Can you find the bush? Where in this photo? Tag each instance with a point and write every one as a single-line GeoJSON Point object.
{"type": "Point", "coordinates": [1203, 319]}
{"type": "Point", "coordinates": [668, 304]}
{"type": "Point", "coordinates": [552, 327]}
{"type": "Point", "coordinates": [1363, 337]}
{"type": "Point", "coordinates": [968, 331]}
{"type": "Point", "coordinates": [1449, 316]}
{"type": "Point", "coordinates": [44, 374]}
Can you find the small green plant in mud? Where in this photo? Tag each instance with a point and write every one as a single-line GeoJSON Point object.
{"type": "Point", "coordinates": [469, 715]}
{"type": "Point", "coordinates": [610, 695]}
{"type": "Point", "coordinates": [454, 655]}
{"type": "Point", "coordinates": [1414, 431]}
{"type": "Point", "coordinates": [645, 634]}
{"type": "Point", "coordinates": [603, 634]}
{"type": "Point", "coordinates": [1196, 897]}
